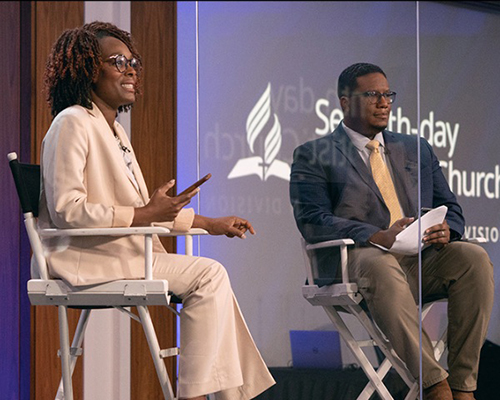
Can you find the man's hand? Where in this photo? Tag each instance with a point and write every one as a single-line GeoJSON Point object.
{"type": "Point", "coordinates": [386, 238]}
{"type": "Point", "coordinates": [161, 206]}
{"type": "Point", "coordinates": [229, 226]}
{"type": "Point", "coordinates": [438, 235]}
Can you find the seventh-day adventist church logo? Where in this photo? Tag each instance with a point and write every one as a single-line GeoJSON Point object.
{"type": "Point", "coordinates": [265, 164]}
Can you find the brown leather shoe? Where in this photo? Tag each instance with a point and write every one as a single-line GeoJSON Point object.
{"type": "Point", "coordinates": [439, 391]}
{"type": "Point", "coordinates": [459, 395]}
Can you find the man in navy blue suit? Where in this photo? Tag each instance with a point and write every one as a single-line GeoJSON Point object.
{"type": "Point", "coordinates": [334, 195]}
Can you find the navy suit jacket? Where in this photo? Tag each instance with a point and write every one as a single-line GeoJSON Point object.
{"type": "Point", "coordinates": [334, 196]}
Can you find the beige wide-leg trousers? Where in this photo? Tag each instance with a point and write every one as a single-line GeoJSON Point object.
{"type": "Point", "coordinates": [217, 352]}
{"type": "Point", "coordinates": [461, 272]}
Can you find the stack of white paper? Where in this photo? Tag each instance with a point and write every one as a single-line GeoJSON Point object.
{"type": "Point", "coordinates": [407, 241]}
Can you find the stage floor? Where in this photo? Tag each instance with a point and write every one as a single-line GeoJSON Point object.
{"type": "Point", "coordinates": [325, 384]}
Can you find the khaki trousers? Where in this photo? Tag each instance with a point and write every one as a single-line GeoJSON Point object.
{"type": "Point", "coordinates": [462, 272]}
{"type": "Point", "coordinates": [217, 352]}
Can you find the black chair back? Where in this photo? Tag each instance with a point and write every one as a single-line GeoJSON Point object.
{"type": "Point", "coordinates": [27, 180]}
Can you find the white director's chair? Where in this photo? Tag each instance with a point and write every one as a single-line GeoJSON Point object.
{"type": "Point", "coordinates": [120, 294]}
{"type": "Point", "coordinates": [345, 297]}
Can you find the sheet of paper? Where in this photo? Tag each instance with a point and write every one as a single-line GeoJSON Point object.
{"type": "Point", "coordinates": [408, 239]}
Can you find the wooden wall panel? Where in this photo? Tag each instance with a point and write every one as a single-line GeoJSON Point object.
{"type": "Point", "coordinates": [49, 20]}
{"type": "Point", "coordinates": [154, 140]}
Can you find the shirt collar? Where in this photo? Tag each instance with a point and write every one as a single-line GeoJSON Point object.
{"type": "Point", "coordinates": [360, 141]}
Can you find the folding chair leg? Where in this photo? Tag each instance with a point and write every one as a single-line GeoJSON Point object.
{"type": "Point", "coordinates": [391, 358]}
{"type": "Point", "coordinates": [396, 362]}
{"type": "Point", "coordinates": [74, 351]}
{"type": "Point", "coordinates": [351, 342]}
{"type": "Point", "coordinates": [65, 352]}
{"type": "Point", "coordinates": [414, 393]}
{"type": "Point", "coordinates": [381, 371]}
{"type": "Point", "coordinates": [154, 347]}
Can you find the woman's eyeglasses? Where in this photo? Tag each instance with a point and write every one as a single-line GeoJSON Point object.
{"type": "Point", "coordinates": [121, 63]}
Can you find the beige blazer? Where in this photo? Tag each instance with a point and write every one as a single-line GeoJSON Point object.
{"type": "Point", "coordinates": [85, 184]}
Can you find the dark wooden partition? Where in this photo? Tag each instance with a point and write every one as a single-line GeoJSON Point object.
{"type": "Point", "coordinates": [154, 141]}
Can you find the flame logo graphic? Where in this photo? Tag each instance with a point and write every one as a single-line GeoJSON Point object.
{"type": "Point", "coordinates": [272, 143]}
{"type": "Point", "coordinates": [267, 165]}
{"type": "Point", "coordinates": [258, 117]}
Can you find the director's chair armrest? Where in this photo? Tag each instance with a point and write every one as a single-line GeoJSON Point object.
{"type": "Point", "coordinates": [342, 243]}
{"type": "Point", "coordinates": [477, 240]}
{"type": "Point", "coordinates": [146, 231]}
{"type": "Point", "coordinates": [138, 230]}
{"type": "Point", "coordinates": [329, 243]}
{"type": "Point", "coordinates": [191, 232]}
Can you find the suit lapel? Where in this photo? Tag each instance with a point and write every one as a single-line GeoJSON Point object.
{"type": "Point", "coordinates": [401, 170]}
{"type": "Point", "coordinates": [143, 190]}
{"type": "Point", "coordinates": [345, 146]}
{"type": "Point", "coordinates": [108, 135]}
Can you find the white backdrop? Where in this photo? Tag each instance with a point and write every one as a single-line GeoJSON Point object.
{"type": "Point", "coordinates": [280, 61]}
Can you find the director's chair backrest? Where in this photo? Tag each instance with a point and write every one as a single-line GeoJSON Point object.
{"type": "Point", "coordinates": [27, 181]}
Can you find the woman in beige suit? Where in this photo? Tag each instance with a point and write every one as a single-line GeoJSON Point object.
{"type": "Point", "coordinates": [90, 178]}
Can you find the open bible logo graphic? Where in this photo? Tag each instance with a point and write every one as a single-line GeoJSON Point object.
{"type": "Point", "coordinates": [264, 165]}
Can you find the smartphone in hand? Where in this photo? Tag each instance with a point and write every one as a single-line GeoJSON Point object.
{"type": "Point", "coordinates": [196, 184]}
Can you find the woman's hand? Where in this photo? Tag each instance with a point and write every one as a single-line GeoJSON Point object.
{"type": "Point", "coordinates": [161, 206]}
{"type": "Point", "coordinates": [230, 226]}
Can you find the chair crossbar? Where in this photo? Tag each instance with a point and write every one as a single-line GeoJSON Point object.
{"type": "Point", "coordinates": [73, 351]}
{"type": "Point", "coordinates": [367, 343]}
{"type": "Point", "coordinates": [128, 313]}
{"type": "Point", "coordinates": [173, 351]}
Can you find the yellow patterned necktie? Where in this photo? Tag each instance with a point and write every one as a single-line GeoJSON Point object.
{"type": "Point", "coordinates": [383, 180]}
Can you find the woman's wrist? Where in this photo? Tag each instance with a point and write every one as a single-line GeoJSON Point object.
{"type": "Point", "coordinates": [142, 216]}
{"type": "Point", "coordinates": [202, 222]}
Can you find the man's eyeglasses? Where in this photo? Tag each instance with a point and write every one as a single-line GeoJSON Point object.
{"type": "Point", "coordinates": [374, 97]}
{"type": "Point", "coordinates": [121, 63]}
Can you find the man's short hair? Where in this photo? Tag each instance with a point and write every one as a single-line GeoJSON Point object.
{"type": "Point", "coordinates": [348, 78]}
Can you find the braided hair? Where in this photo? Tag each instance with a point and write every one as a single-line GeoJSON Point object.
{"type": "Point", "coordinates": [75, 62]}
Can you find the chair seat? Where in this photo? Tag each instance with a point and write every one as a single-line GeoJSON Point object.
{"type": "Point", "coordinates": [121, 293]}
